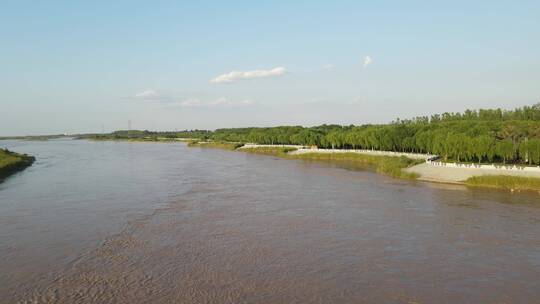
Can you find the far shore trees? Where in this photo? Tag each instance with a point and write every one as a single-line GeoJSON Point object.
{"type": "Point", "coordinates": [479, 136]}
{"type": "Point", "coordinates": [485, 135]}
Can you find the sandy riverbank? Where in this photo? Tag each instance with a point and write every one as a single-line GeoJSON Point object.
{"type": "Point", "coordinates": [459, 175]}
{"type": "Point", "coordinates": [255, 146]}
{"type": "Point", "coordinates": [430, 172]}
{"type": "Point", "coordinates": [366, 152]}
{"type": "Point", "coordinates": [305, 150]}
{"type": "Point", "coordinates": [427, 171]}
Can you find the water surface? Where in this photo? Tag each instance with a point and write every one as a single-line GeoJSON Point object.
{"type": "Point", "coordinates": [117, 222]}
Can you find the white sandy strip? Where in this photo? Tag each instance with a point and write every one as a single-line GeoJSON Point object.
{"type": "Point", "coordinates": [455, 175]}
{"type": "Point", "coordinates": [253, 146]}
{"type": "Point", "coordinates": [431, 172]}
{"type": "Point", "coordinates": [305, 150]}
{"type": "Point", "coordinates": [368, 152]}
{"type": "Point", "coordinates": [428, 171]}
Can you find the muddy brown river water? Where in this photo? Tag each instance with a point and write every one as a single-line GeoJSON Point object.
{"type": "Point", "coordinates": [116, 222]}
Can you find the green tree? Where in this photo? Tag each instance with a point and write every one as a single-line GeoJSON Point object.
{"type": "Point", "coordinates": [505, 149]}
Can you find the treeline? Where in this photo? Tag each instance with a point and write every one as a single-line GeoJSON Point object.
{"type": "Point", "coordinates": [485, 135]}
{"type": "Point", "coordinates": [530, 113]}
{"type": "Point", "coordinates": [473, 136]}
{"type": "Point", "coordinates": [145, 134]}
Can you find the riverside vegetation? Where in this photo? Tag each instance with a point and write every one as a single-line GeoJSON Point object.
{"type": "Point", "coordinates": [486, 135]}
{"type": "Point", "coordinates": [505, 182]}
{"type": "Point", "coordinates": [481, 136]}
{"type": "Point", "coordinates": [506, 137]}
{"type": "Point", "coordinates": [389, 165]}
{"type": "Point", "coordinates": [215, 144]}
{"type": "Point", "coordinates": [11, 162]}
{"type": "Point", "coordinates": [151, 136]}
{"type": "Point", "coordinates": [34, 137]}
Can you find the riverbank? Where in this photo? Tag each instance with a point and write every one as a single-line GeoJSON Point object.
{"type": "Point", "coordinates": [215, 144]}
{"type": "Point", "coordinates": [399, 165]}
{"type": "Point", "coordinates": [459, 175]}
{"type": "Point", "coordinates": [512, 183]}
{"type": "Point", "coordinates": [388, 164]}
{"type": "Point", "coordinates": [11, 162]}
{"type": "Point", "coordinates": [416, 156]}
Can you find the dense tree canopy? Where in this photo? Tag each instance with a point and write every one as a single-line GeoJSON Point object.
{"type": "Point", "coordinates": [479, 136]}
{"type": "Point", "coordinates": [484, 135]}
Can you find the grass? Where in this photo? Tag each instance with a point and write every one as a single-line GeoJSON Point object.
{"type": "Point", "coordinates": [215, 144]}
{"type": "Point", "coordinates": [152, 139]}
{"type": "Point", "coordinates": [389, 165]}
{"type": "Point", "coordinates": [508, 182]}
{"type": "Point", "coordinates": [11, 162]}
{"type": "Point", "coordinates": [497, 165]}
{"type": "Point", "coordinates": [274, 151]}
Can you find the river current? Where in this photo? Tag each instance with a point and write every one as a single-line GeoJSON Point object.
{"type": "Point", "coordinates": [119, 222]}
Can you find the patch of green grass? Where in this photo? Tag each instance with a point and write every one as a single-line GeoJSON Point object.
{"type": "Point", "coordinates": [11, 162]}
{"type": "Point", "coordinates": [389, 165]}
{"type": "Point", "coordinates": [215, 144]}
{"type": "Point", "coordinates": [152, 139]}
{"type": "Point", "coordinates": [274, 151]}
{"type": "Point", "coordinates": [505, 182]}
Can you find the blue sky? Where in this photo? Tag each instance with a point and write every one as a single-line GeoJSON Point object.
{"type": "Point", "coordinates": [75, 66]}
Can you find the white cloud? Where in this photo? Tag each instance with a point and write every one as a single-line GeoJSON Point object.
{"type": "Point", "coordinates": [246, 102]}
{"type": "Point", "coordinates": [367, 61]}
{"type": "Point", "coordinates": [220, 102]}
{"type": "Point", "coordinates": [328, 66]}
{"type": "Point", "coordinates": [224, 102]}
{"type": "Point", "coordinates": [318, 100]}
{"type": "Point", "coordinates": [191, 102]}
{"type": "Point", "coordinates": [239, 75]}
{"type": "Point", "coordinates": [357, 101]}
{"type": "Point", "coordinates": [148, 95]}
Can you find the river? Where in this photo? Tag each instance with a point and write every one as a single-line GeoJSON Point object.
{"type": "Point", "coordinates": [118, 222]}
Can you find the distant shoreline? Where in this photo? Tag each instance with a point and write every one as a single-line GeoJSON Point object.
{"type": "Point", "coordinates": [416, 166]}
{"type": "Point", "coordinates": [141, 139]}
